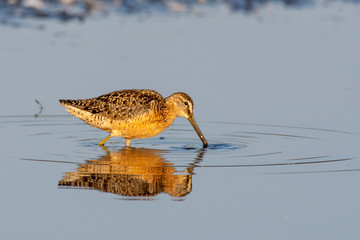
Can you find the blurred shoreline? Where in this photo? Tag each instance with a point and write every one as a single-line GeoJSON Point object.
{"type": "Point", "coordinates": [13, 12]}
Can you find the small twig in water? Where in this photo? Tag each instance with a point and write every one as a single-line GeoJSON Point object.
{"type": "Point", "coordinates": [41, 108]}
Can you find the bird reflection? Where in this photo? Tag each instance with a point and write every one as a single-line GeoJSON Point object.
{"type": "Point", "coordinates": [133, 172]}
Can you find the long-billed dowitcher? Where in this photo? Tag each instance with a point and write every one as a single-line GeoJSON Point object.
{"type": "Point", "coordinates": [133, 113]}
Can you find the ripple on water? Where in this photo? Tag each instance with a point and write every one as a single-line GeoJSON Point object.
{"type": "Point", "coordinates": [212, 146]}
{"type": "Point", "coordinates": [284, 148]}
{"type": "Point", "coordinates": [166, 164]}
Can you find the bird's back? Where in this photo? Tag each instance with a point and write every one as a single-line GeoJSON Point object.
{"type": "Point", "coordinates": [110, 110]}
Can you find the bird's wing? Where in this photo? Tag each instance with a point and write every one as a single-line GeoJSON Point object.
{"type": "Point", "coordinates": [121, 105]}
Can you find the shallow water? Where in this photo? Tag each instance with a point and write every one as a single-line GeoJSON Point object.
{"type": "Point", "coordinates": [280, 116]}
{"type": "Point", "coordinates": [250, 174]}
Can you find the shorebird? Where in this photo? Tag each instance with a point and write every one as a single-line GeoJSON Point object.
{"type": "Point", "coordinates": [133, 113]}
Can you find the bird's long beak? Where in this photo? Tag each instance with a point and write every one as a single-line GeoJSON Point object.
{"type": "Point", "coordinates": [197, 130]}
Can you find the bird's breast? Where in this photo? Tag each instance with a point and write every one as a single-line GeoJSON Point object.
{"type": "Point", "coordinates": [138, 129]}
{"type": "Point", "coordinates": [142, 127]}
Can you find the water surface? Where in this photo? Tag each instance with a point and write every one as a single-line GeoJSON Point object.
{"type": "Point", "coordinates": [275, 95]}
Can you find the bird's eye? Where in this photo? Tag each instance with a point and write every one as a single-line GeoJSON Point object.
{"type": "Point", "coordinates": [186, 103]}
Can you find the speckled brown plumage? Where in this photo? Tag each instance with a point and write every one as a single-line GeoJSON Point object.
{"type": "Point", "coordinates": [133, 113]}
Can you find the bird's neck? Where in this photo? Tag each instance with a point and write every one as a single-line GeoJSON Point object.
{"type": "Point", "coordinates": [170, 113]}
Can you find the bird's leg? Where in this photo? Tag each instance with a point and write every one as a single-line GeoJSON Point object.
{"type": "Point", "coordinates": [104, 141]}
{"type": "Point", "coordinates": [127, 142]}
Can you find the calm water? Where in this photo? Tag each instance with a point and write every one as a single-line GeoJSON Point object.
{"type": "Point", "coordinates": [276, 95]}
